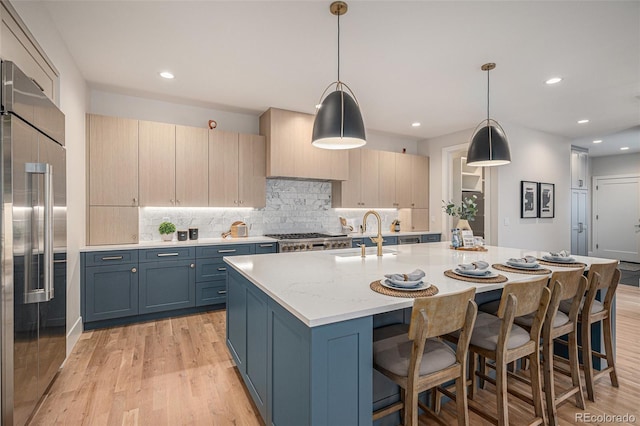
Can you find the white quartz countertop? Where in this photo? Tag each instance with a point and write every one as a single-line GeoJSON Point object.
{"type": "Point", "coordinates": [324, 287]}
{"type": "Point", "coordinates": [174, 243]}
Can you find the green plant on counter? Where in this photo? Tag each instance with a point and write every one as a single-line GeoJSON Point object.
{"type": "Point", "coordinates": [467, 210]}
{"type": "Point", "coordinates": [166, 228]}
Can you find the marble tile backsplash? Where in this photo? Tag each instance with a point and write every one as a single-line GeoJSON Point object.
{"type": "Point", "coordinates": [292, 206]}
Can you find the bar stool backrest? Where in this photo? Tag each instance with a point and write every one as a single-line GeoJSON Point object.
{"type": "Point", "coordinates": [444, 314]}
{"type": "Point", "coordinates": [527, 295]}
{"type": "Point", "coordinates": [572, 285]}
{"type": "Point", "coordinates": [602, 276]}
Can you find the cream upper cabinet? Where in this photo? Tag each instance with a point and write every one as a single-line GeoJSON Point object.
{"type": "Point", "coordinates": [252, 182]}
{"type": "Point", "coordinates": [289, 150]}
{"type": "Point", "coordinates": [403, 180]}
{"type": "Point", "coordinates": [112, 225]}
{"type": "Point", "coordinates": [387, 180]}
{"type": "Point", "coordinates": [18, 45]}
{"type": "Point", "coordinates": [360, 190]}
{"type": "Point", "coordinates": [236, 170]}
{"type": "Point", "coordinates": [192, 166]}
{"type": "Point", "coordinates": [157, 164]}
{"type": "Point", "coordinates": [113, 161]}
{"type": "Point", "coordinates": [419, 182]}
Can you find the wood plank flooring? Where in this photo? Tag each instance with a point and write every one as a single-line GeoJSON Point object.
{"type": "Point", "coordinates": [178, 372]}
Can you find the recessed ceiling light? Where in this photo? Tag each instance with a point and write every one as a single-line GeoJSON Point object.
{"type": "Point", "coordinates": [598, 141]}
{"type": "Point", "coordinates": [554, 80]}
{"type": "Point", "coordinates": [167, 75]}
{"type": "Point", "coordinates": [583, 121]}
{"type": "Point", "coordinates": [416, 124]}
{"type": "Point", "coordinates": [318, 106]}
{"type": "Point", "coordinates": [624, 148]}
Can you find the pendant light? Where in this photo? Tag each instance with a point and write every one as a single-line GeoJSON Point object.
{"type": "Point", "coordinates": [338, 123]}
{"type": "Point", "coordinates": [489, 146]}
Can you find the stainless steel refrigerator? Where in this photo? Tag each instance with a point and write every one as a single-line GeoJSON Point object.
{"type": "Point", "coordinates": [33, 244]}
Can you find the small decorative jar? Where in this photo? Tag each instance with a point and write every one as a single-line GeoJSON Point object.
{"type": "Point", "coordinates": [183, 235]}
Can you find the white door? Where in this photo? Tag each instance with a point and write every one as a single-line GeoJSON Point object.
{"type": "Point", "coordinates": [616, 213]}
{"type": "Point", "coordinates": [579, 222]}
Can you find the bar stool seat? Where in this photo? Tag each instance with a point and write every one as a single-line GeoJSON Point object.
{"type": "Point", "coordinates": [596, 306]}
{"type": "Point", "coordinates": [394, 354]}
{"type": "Point", "coordinates": [561, 318]}
{"type": "Point", "coordinates": [487, 331]}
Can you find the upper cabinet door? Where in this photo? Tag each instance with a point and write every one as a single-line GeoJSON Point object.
{"type": "Point", "coordinates": [223, 169]}
{"type": "Point", "coordinates": [157, 164]}
{"type": "Point", "coordinates": [403, 180]}
{"type": "Point", "coordinates": [369, 177]}
{"type": "Point", "coordinates": [113, 161]}
{"type": "Point", "coordinates": [387, 180]}
{"type": "Point", "coordinates": [252, 163]}
{"type": "Point", "coordinates": [192, 166]}
{"type": "Point", "coordinates": [579, 161]}
{"type": "Point", "coordinates": [419, 182]}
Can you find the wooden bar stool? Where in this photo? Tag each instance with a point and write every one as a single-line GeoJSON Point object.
{"type": "Point", "coordinates": [602, 276]}
{"type": "Point", "coordinates": [418, 360]}
{"type": "Point", "coordinates": [496, 337]}
{"type": "Point", "coordinates": [566, 287]}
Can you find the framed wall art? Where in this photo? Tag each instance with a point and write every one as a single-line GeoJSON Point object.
{"type": "Point", "coordinates": [528, 199]}
{"type": "Point", "coordinates": [547, 201]}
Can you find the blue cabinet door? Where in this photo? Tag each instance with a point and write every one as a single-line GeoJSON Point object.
{"type": "Point", "coordinates": [167, 285]}
{"type": "Point", "coordinates": [256, 360]}
{"type": "Point", "coordinates": [110, 292]}
{"type": "Point", "coordinates": [237, 319]}
{"type": "Point", "coordinates": [211, 292]}
{"type": "Point", "coordinates": [430, 238]}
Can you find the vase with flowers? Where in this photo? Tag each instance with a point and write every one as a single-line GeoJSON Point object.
{"type": "Point", "coordinates": [465, 212]}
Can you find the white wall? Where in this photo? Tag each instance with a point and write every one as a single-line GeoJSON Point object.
{"type": "Point", "coordinates": [73, 102]}
{"type": "Point", "coordinates": [535, 156]}
{"type": "Point", "coordinates": [625, 164]}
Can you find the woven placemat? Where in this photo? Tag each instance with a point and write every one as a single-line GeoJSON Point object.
{"type": "Point", "coordinates": [495, 280]}
{"type": "Point", "coordinates": [566, 265]}
{"type": "Point", "coordinates": [379, 288]}
{"type": "Point", "coordinates": [507, 268]}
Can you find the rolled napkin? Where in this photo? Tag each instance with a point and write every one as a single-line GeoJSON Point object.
{"type": "Point", "coordinates": [477, 265]}
{"type": "Point", "coordinates": [416, 275]}
{"type": "Point", "coordinates": [561, 253]}
{"type": "Point", "coordinates": [526, 259]}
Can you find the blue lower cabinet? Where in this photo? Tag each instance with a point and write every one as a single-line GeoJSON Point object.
{"type": "Point", "coordinates": [167, 285]}
{"type": "Point", "coordinates": [110, 292]}
{"type": "Point", "coordinates": [386, 241]}
{"type": "Point", "coordinates": [211, 292]}
{"type": "Point", "coordinates": [210, 269]}
{"type": "Point", "coordinates": [430, 238]}
{"type": "Point", "coordinates": [298, 375]}
{"type": "Point", "coordinates": [262, 248]}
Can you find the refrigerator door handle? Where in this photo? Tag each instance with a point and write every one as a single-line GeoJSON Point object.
{"type": "Point", "coordinates": [46, 293]}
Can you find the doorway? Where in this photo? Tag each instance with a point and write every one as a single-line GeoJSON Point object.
{"type": "Point", "coordinates": [616, 217]}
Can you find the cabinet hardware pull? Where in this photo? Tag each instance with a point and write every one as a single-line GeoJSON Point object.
{"type": "Point", "coordinates": [134, 200]}
{"type": "Point", "coordinates": [221, 269]}
{"type": "Point", "coordinates": [59, 261]}
{"type": "Point", "coordinates": [266, 245]}
{"type": "Point", "coordinates": [168, 254]}
{"type": "Point", "coordinates": [222, 291]}
{"type": "Point", "coordinates": [227, 251]}
{"type": "Point", "coordinates": [193, 265]}
{"type": "Point", "coordinates": [172, 202]}
{"type": "Point", "coordinates": [134, 270]}
{"type": "Point", "coordinates": [113, 258]}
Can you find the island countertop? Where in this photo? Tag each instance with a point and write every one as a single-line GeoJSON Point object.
{"type": "Point", "coordinates": [325, 287]}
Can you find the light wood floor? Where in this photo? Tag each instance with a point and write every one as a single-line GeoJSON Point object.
{"type": "Point", "coordinates": [178, 372]}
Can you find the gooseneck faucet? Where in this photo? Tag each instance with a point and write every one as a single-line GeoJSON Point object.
{"type": "Point", "coordinates": [378, 239]}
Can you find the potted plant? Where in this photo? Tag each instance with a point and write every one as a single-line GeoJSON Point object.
{"type": "Point", "coordinates": [166, 231]}
{"type": "Point", "coordinates": [465, 212]}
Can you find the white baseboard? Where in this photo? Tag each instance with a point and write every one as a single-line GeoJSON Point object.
{"type": "Point", "coordinates": [74, 335]}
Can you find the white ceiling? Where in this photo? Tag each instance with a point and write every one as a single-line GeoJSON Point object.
{"type": "Point", "coordinates": [406, 61]}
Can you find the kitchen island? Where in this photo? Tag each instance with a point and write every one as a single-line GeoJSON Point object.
{"type": "Point", "coordinates": [300, 325]}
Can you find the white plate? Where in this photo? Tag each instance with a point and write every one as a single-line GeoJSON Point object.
{"type": "Point", "coordinates": [422, 286]}
{"type": "Point", "coordinates": [466, 274]}
{"type": "Point", "coordinates": [523, 265]}
{"type": "Point", "coordinates": [559, 259]}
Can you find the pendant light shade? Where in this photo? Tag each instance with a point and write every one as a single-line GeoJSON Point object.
{"type": "Point", "coordinates": [489, 146]}
{"type": "Point", "coordinates": [338, 123]}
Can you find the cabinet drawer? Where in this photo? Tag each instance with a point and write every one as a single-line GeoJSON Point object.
{"type": "Point", "coordinates": [386, 241]}
{"type": "Point", "coordinates": [225, 250]}
{"type": "Point", "coordinates": [431, 238]}
{"type": "Point", "coordinates": [210, 269]}
{"type": "Point", "coordinates": [390, 241]}
{"type": "Point", "coordinates": [169, 253]}
{"type": "Point", "coordinates": [262, 248]}
{"type": "Point", "coordinates": [99, 258]}
{"type": "Point", "coordinates": [211, 292]}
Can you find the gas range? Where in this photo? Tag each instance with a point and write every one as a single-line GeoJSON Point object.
{"type": "Point", "coordinates": [310, 241]}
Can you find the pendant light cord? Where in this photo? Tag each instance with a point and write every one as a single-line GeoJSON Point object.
{"type": "Point", "coordinates": [338, 48]}
{"type": "Point", "coordinates": [488, 116]}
